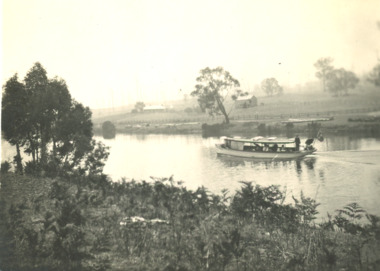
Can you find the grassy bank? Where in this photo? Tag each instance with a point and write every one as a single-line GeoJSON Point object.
{"type": "Point", "coordinates": [349, 114]}
{"type": "Point", "coordinates": [89, 223]}
{"type": "Point", "coordinates": [352, 125]}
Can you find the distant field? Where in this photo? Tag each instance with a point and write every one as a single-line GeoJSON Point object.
{"type": "Point", "coordinates": [269, 108]}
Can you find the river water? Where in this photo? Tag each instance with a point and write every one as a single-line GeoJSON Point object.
{"type": "Point", "coordinates": [342, 171]}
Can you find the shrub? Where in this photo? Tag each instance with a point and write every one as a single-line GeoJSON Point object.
{"type": "Point", "coordinates": [5, 167]}
{"type": "Point", "coordinates": [32, 168]}
{"type": "Point", "coordinates": [109, 130]}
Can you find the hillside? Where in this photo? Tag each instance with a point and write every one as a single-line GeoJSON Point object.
{"type": "Point", "coordinates": [185, 115]}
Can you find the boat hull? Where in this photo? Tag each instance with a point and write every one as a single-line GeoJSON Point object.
{"type": "Point", "coordinates": [221, 150]}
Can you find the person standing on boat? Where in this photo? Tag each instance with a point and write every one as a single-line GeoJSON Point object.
{"type": "Point", "coordinates": [298, 142]}
{"type": "Point", "coordinates": [275, 147]}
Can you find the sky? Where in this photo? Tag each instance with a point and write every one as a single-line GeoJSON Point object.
{"type": "Point", "coordinates": [117, 52]}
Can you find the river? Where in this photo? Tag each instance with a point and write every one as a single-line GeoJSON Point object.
{"type": "Point", "coordinates": [342, 171]}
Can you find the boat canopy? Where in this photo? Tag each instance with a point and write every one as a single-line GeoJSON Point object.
{"type": "Point", "coordinates": [260, 140]}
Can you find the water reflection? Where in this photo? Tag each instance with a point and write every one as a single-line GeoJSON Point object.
{"type": "Point", "coordinates": [231, 161]}
{"type": "Point", "coordinates": [321, 174]}
{"type": "Point", "coordinates": [301, 166]}
{"type": "Point", "coordinates": [140, 137]}
{"type": "Point", "coordinates": [300, 175]}
{"type": "Point", "coordinates": [298, 166]}
{"type": "Point", "coordinates": [310, 162]}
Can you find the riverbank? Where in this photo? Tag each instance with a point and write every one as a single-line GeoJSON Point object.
{"type": "Point", "coordinates": [89, 223]}
{"type": "Point", "coordinates": [357, 124]}
{"type": "Point", "coordinates": [358, 112]}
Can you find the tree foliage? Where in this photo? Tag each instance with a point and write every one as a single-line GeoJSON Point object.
{"type": "Point", "coordinates": [74, 135]}
{"type": "Point", "coordinates": [324, 67]}
{"type": "Point", "coordinates": [335, 81]}
{"type": "Point", "coordinates": [271, 87]}
{"type": "Point", "coordinates": [213, 86]}
{"type": "Point", "coordinates": [374, 75]}
{"type": "Point", "coordinates": [14, 119]}
{"type": "Point", "coordinates": [108, 130]}
{"type": "Point", "coordinates": [238, 94]}
{"type": "Point", "coordinates": [339, 81]}
{"type": "Point", "coordinates": [40, 116]}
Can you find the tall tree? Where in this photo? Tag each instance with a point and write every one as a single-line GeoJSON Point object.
{"type": "Point", "coordinates": [14, 119]}
{"type": "Point", "coordinates": [213, 86]}
{"type": "Point", "coordinates": [42, 117]}
{"type": "Point", "coordinates": [271, 87]}
{"type": "Point", "coordinates": [57, 102]}
{"type": "Point", "coordinates": [324, 67]}
{"type": "Point", "coordinates": [374, 76]}
{"type": "Point", "coordinates": [339, 81]}
{"type": "Point", "coordinates": [36, 82]}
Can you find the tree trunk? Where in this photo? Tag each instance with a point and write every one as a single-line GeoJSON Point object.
{"type": "Point", "coordinates": [33, 148]}
{"type": "Point", "coordinates": [223, 110]}
{"type": "Point", "coordinates": [18, 159]}
{"type": "Point", "coordinates": [226, 117]}
{"type": "Point", "coordinates": [43, 146]}
{"type": "Point", "coordinates": [54, 148]}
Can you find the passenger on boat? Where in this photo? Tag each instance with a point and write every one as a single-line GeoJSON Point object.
{"type": "Point", "coordinates": [298, 142]}
{"type": "Point", "coordinates": [266, 147]}
{"type": "Point", "coordinates": [258, 147]}
{"type": "Point", "coordinates": [308, 144]}
{"type": "Point", "coordinates": [275, 147]}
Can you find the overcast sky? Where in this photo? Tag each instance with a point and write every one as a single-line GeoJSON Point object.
{"type": "Point", "coordinates": [116, 52]}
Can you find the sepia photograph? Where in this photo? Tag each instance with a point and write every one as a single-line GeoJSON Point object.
{"type": "Point", "coordinates": [190, 135]}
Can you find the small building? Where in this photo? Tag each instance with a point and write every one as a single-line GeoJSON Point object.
{"type": "Point", "coordinates": [154, 108]}
{"type": "Point", "coordinates": [246, 101]}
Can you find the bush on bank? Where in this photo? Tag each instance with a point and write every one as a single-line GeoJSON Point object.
{"type": "Point", "coordinates": [90, 223]}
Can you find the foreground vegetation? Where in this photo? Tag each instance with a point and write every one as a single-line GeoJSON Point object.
{"type": "Point", "coordinates": [89, 223]}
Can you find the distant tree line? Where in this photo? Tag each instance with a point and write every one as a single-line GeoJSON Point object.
{"type": "Point", "coordinates": [214, 85]}
{"type": "Point", "coordinates": [40, 117]}
{"type": "Point", "coordinates": [271, 87]}
{"type": "Point", "coordinates": [336, 81]}
{"type": "Point", "coordinates": [374, 75]}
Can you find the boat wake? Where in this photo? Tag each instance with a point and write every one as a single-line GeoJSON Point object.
{"type": "Point", "coordinates": [368, 157]}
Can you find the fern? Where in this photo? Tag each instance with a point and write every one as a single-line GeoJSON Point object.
{"type": "Point", "coordinates": [353, 211]}
{"type": "Point", "coordinates": [348, 218]}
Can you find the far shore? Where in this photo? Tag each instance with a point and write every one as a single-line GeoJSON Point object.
{"type": "Point", "coordinates": [357, 113]}
{"type": "Point", "coordinates": [359, 124]}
